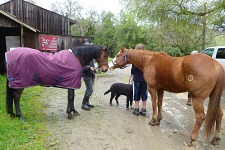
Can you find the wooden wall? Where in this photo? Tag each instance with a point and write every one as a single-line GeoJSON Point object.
{"type": "Point", "coordinates": [45, 21]}
{"type": "Point", "coordinates": [7, 22]}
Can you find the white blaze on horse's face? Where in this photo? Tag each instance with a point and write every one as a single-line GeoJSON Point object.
{"type": "Point", "coordinates": [119, 61]}
{"type": "Point", "coordinates": [112, 63]}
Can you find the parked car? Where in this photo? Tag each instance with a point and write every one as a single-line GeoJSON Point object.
{"type": "Point", "coordinates": [216, 52]}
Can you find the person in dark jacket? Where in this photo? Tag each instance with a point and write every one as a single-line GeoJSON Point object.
{"type": "Point", "coordinates": [88, 75]}
{"type": "Point", "coordinates": [189, 101]}
{"type": "Point", "coordinates": [140, 87]}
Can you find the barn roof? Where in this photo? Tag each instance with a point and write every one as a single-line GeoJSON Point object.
{"type": "Point", "coordinates": [12, 17]}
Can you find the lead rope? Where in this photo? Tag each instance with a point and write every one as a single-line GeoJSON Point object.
{"type": "Point", "coordinates": [94, 91]}
{"type": "Point", "coordinates": [131, 79]}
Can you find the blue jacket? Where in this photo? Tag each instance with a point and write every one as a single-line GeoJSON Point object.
{"type": "Point", "coordinates": [137, 74]}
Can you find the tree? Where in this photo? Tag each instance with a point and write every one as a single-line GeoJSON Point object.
{"type": "Point", "coordinates": [68, 8]}
{"type": "Point", "coordinates": [86, 25]}
{"type": "Point", "coordinates": [105, 31]}
{"type": "Point", "coordinates": [186, 24]}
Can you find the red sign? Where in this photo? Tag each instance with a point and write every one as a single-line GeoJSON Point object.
{"type": "Point", "coordinates": [48, 42]}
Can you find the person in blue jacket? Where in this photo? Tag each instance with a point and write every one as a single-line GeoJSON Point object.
{"type": "Point", "coordinates": [140, 87]}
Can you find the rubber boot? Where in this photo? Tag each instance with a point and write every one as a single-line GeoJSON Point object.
{"type": "Point", "coordinates": [89, 105]}
{"type": "Point", "coordinates": [189, 101]}
{"type": "Point", "coordinates": [84, 104]}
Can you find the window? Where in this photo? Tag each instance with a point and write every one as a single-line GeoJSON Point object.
{"type": "Point", "coordinates": [208, 51]}
{"type": "Point", "coordinates": [221, 53]}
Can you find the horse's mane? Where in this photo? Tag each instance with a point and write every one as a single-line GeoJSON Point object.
{"type": "Point", "coordinates": [138, 55]}
{"type": "Point", "coordinates": [142, 57]}
{"type": "Point", "coordinates": [86, 53]}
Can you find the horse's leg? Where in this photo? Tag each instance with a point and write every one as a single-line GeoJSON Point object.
{"type": "Point", "coordinates": [9, 100]}
{"type": "Point", "coordinates": [72, 108]}
{"type": "Point", "coordinates": [218, 127]}
{"type": "Point", "coordinates": [17, 95]}
{"type": "Point", "coordinates": [70, 104]}
{"type": "Point", "coordinates": [154, 115]}
{"type": "Point", "coordinates": [199, 118]}
{"type": "Point", "coordinates": [160, 94]}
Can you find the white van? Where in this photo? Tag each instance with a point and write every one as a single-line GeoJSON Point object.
{"type": "Point", "coordinates": [216, 52]}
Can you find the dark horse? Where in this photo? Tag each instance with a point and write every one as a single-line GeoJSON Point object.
{"type": "Point", "coordinates": [65, 76]}
{"type": "Point", "coordinates": [198, 74]}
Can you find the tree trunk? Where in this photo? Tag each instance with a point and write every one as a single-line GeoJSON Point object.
{"type": "Point", "coordinates": [203, 28]}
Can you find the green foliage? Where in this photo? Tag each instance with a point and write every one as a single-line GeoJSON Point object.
{"type": "Point", "coordinates": [17, 134]}
{"type": "Point", "coordinates": [110, 59]}
{"type": "Point", "coordinates": [166, 25]}
{"type": "Point", "coordinates": [105, 33]}
{"type": "Point", "coordinates": [173, 51]}
{"type": "Point", "coordinates": [220, 40]}
{"type": "Point", "coordinates": [186, 25]}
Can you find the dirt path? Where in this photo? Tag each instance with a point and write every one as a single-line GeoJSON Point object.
{"type": "Point", "coordinates": [114, 127]}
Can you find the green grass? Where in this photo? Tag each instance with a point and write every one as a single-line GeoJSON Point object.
{"type": "Point", "coordinates": [16, 134]}
{"type": "Point", "coordinates": [32, 134]}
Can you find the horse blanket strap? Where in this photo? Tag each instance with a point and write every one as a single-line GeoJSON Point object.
{"type": "Point", "coordinates": [29, 67]}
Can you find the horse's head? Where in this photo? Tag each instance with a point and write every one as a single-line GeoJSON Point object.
{"type": "Point", "coordinates": [103, 59]}
{"type": "Point", "coordinates": [86, 53]}
{"type": "Point", "coordinates": [120, 60]}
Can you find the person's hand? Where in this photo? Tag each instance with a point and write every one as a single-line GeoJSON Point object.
{"type": "Point", "coordinates": [92, 69]}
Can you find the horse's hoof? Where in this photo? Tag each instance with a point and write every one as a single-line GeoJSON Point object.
{"type": "Point", "coordinates": [70, 116]}
{"type": "Point", "coordinates": [22, 118]}
{"type": "Point", "coordinates": [159, 118]}
{"type": "Point", "coordinates": [75, 113]}
{"type": "Point", "coordinates": [215, 141]}
{"type": "Point", "coordinates": [152, 123]}
{"type": "Point", "coordinates": [13, 115]}
{"type": "Point", "coordinates": [188, 143]}
{"type": "Point", "coordinates": [157, 122]}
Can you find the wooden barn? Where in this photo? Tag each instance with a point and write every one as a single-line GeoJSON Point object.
{"type": "Point", "coordinates": [27, 25]}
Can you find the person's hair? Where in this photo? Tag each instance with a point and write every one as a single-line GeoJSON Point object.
{"type": "Point", "coordinates": [139, 47]}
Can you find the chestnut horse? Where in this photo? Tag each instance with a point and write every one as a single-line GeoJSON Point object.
{"type": "Point", "coordinates": [64, 71]}
{"type": "Point", "coordinates": [198, 74]}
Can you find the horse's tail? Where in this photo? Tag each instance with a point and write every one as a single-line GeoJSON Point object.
{"type": "Point", "coordinates": [214, 103]}
{"type": "Point", "coordinates": [107, 91]}
{"type": "Point", "coordinates": [9, 98]}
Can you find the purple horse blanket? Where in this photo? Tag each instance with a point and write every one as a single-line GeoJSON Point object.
{"type": "Point", "coordinates": [29, 67]}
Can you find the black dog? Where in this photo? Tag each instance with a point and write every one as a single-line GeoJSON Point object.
{"type": "Point", "coordinates": [118, 89]}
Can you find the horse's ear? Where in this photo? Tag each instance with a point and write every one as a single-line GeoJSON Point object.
{"type": "Point", "coordinates": [122, 50]}
{"type": "Point", "coordinates": [105, 48]}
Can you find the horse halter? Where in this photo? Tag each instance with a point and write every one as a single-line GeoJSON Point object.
{"type": "Point", "coordinates": [124, 60]}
